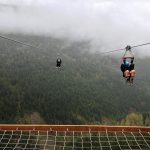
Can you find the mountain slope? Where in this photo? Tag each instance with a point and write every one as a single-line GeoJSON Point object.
{"type": "Point", "coordinates": [87, 89]}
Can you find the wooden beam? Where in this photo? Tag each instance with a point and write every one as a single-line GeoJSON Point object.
{"type": "Point", "coordinates": [77, 128]}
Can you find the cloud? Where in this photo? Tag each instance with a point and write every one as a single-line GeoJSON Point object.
{"type": "Point", "coordinates": [113, 23]}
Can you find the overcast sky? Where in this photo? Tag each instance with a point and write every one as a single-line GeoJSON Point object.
{"type": "Point", "coordinates": [114, 23]}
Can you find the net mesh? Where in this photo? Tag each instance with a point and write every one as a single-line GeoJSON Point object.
{"type": "Point", "coordinates": [75, 139]}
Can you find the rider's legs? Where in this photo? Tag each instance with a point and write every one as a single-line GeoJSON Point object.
{"type": "Point", "coordinates": [133, 74]}
{"type": "Point", "coordinates": [127, 75]}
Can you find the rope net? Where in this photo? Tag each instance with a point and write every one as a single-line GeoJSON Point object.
{"type": "Point", "coordinates": [74, 138]}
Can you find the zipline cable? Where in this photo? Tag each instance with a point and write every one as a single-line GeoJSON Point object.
{"type": "Point", "coordinates": [140, 45]}
{"type": "Point", "coordinates": [112, 51]}
{"type": "Point", "coordinates": [125, 48]}
{"type": "Point", "coordinates": [19, 42]}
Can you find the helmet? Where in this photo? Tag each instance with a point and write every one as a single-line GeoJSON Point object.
{"type": "Point", "coordinates": [58, 60]}
{"type": "Point", "coordinates": [127, 63]}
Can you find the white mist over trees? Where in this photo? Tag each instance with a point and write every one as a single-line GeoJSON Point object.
{"type": "Point", "coordinates": [113, 24]}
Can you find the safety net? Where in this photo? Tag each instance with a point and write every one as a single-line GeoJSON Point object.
{"type": "Point", "coordinates": [65, 137]}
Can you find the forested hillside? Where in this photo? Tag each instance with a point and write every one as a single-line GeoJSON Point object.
{"type": "Point", "coordinates": [88, 89]}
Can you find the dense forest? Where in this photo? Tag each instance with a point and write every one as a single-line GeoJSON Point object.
{"type": "Point", "coordinates": [87, 89]}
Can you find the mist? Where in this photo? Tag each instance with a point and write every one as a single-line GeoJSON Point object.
{"type": "Point", "coordinates": [109, 24]}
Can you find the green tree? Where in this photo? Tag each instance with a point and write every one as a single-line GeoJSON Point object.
{"type": "Point", "coordinates": [133, 119]}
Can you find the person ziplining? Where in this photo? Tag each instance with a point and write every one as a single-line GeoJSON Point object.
{"type": "Point", "coordinates": [127, 66]}
{"type": "Point", "coordinates": [58, 62]}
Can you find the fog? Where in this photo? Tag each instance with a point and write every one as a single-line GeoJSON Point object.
{"type": "Point", "coordinates": [109, 24]}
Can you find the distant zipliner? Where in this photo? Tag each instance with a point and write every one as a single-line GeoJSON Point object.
{"type": "Point", "coordinates": [127, 66]}
{"type": "Point", "coordinates": [58, 62]}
